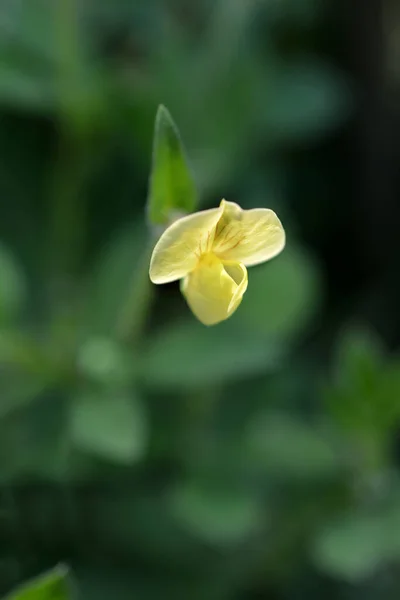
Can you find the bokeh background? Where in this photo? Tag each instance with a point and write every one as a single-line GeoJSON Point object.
{"type": "Point", "coordinates": [159, 458]}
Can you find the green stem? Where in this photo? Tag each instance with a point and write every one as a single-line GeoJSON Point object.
{"type": "Point", "coordinates": [132, 319]}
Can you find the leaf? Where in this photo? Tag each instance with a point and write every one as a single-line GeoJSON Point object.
{"type": "Point", "coordinates": [282, 295]}
{"type": "Point", "coordinates": [51, 586]}
{"type": "Point", "coordinates": [356, 546]}
{"type": "Point", "coordinates": [360, 357]}
{"type": "Point", "coordinates": [219, 516]}
{"type": "Point", "coordinates": [103, 360]}
{"type": "Point", "coordinates": [110, 427]}
{"type": "Point", "coordinates": [27, 57]}
{"type": "Point", "coordinates": [171, 189]}
{"type": "Point", "coordinates": [187, 355]}
{"type": "Point", "coordinates": [365, 392]}
{"type": "Point", "coordinates": [24, 89]}
{"type": "Point", "coordinates": [289, 448]}
{"type": "Point", "coordinates": [114, 277]}
{"type": "Point", "coordinates": [352, 549]}
{"type": "Point", "coordinates": [12, 286]}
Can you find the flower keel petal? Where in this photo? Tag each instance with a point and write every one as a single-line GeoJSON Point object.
{"type": "Point", "coordinates": [214, 290]}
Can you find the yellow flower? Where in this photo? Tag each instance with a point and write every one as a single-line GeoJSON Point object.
{"type": "Point", "coordinates": [210, 250]}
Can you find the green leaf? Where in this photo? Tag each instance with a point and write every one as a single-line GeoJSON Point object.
{"type": "Point", "coordinates": [282, 295]}
{"type": "Point", "coordinates": [110, 427]}
{"type": "Point", "coordinates": [365, 392]}
{"type": "Point", "coordinates": [171, 189]}
{"type": "Point", "coordinates": [352, 550]}
{"type": "Point", "coordinates": [289, 448]}
{"type": "Point", "coordinates": [103, 360]}
{"type": "Point", "coordinates": [191, 354]}
{"type": "Point", "coordinates": [19, 87]}
{"type": "Point", "coordinates": [51, 586]}
{"type": "Point", "coordinates": [359, 544]}
{"type": "Point", "coordinates": [360, 358]}
{"type": "Point", "coordinates": [217, 515]}
{"type": "Point", "coordinates": [113, 278]}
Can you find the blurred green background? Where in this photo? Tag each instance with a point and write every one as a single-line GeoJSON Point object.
{"type": "Point", "coordinates": [156, 457]}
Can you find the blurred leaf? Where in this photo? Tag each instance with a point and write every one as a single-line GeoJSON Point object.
{"type": "Point", "coordinates": [289, 448]}
{"type": "Point", "coordinates": [113, 278]}
{"type": "Point", "coordinates": [103, 360]}
{"type": "Point", "coordinates": [21, 27]}
{"type": "Point", "coordinates": [111, 427]}
{"type": "Point", "coordinates": [12, 286]}
{"type": "Point", "coordinates": [360, 358]}
{"type": "Point", "coordinates": [353, 549]}
{"type": "Point", "coordinates": [307, 100]}
{"type": "Point", "coordinates": [51, 586]}
{"type": "Point", "coordinates": [282, 295]}
{"type": "Point", "coordinates": [364, 395]}
{"type": "Point", "coordinates": [358, 545]}
{"type": "Point", "coordinates": [24, 88]}
{"type": "Point", "coordinates": [215, 514]}
{"type": "Point", "coordinates": [27, 57]}
{"type": "Point", "coordinates": [191, 354]}
{"type": "Point", "coordinates": [171, 188]}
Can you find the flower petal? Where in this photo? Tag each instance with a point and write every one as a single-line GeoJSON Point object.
{"type": "Point", "coordinates": [248, 236]}
{"type": "Point", "coordinates": [178, 250]}
{"type": "Point", "coordinates": [214, 289]}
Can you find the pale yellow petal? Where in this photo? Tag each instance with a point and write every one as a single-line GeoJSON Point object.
{"type": "Point", "coordinates": [178, 250]}
{"type": "Point", "coordinates": [248, 236]}
{"type": "Point", "coordinates": [214, 290]}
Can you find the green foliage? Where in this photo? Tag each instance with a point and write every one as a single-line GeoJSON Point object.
{"type": "Point", "coordinates": [51, 586]}
{"type": "Point", "coordinates": [171, 188]}
{"type": "Point", "coordinates": [282, 295]}
{"type": "Point", "coordinates": [157, 457]}
{"type": "Point", "coordinates": [216, 514]}
{"type": "Point", "coordinates": [188, 355]}
{"type": "Point", "coordinates": [289, 449]}
{"type": "Point", "coordinates": [364, 398]}
{"type": "Point", "coordinates": [360, 543]}
{"type": "Point", "coordinates": [112, 427]}
{"type": "Point", "coordinates": [112, 279]}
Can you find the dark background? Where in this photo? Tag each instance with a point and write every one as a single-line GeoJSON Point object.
{"type": "Point", "coordinates": [159, 458]}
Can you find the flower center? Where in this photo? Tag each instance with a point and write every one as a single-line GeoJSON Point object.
{"type": "Point", "coordinates": [208, 259]}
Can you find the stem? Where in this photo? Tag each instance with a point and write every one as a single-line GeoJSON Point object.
{"type": "Point", "coordinates": [134, 312]}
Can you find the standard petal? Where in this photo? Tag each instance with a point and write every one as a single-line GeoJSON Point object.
{"type": "Point", "coordinates": [214, 290]}
{"type": "Point", "coordinates": [248, 236]}
{"type": "Point", "coordinates": [178, 250]}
